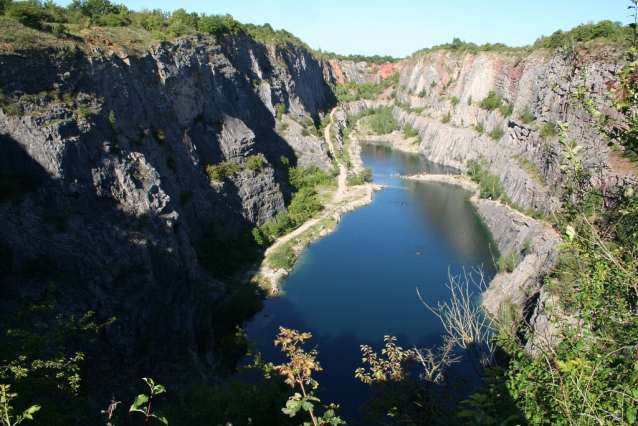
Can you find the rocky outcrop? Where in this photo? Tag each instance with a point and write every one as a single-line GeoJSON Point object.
{"type": "Point", "coordinates": [532, 243]}
{"type": "Point", "coordinates": [444, 89]}
{"type": "Point", "coordinates": [115, 148]}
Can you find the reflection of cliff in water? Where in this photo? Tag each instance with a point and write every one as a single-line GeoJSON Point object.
{"type": "Point", "coordinates": [454, 217]}
{"type": "Point", "coordinates": [410, 163]}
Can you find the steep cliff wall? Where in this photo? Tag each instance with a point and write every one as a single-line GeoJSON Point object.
{"type": "Point", "coordinates": [440, 93]}
{"type": "Point", "coordinates": [448, 86]}
{"type": "Point", "coordinates": [115, 149]}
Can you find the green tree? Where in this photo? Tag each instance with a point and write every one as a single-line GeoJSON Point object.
{"type": "Point", "coordinates": [26, 13]}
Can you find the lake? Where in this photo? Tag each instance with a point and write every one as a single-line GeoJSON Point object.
{"type": "Point", "coordinates": [359, 283]}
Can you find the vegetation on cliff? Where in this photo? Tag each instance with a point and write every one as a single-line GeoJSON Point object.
{"type": "Point", "coordinates": [604, 32]}
{"type": "Point", "coordinates": [585, 372]}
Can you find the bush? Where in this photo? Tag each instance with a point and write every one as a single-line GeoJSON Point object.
{"type": "Point", "coordinates": [480, 127]}
{"type": "Point", "coordinates": [492, 101]}
{"type": "Point", "coordinates": [364, 176]}
{"type": "Point", "coordinates": [506, 109]}
{"type": "Point", "coordinates": [304, 205]}
{"type": "Point", "coordinates": [382, 121]}
{"type": "Point", "coordinates": [455, 101]}
{"type": "Point", "coordinates": [224, 169]}
{"type": "Point", "coordinates": [526, 116]}
{"type": "Point", "coordinates": [4, 5]}
{"type": "Point", "coordinates": [218, 24]}
{"type": "Point", "coordinates": [255, 162]}
{"type": "Point", "coordinates": [7, 106]}
{"type": "Point", "coordinates": [497, 133]}
{"type": "Point", "coordinates": [491, 186]}
{"type": "Point", "coordinates": [281, 110]}
{"type": "Point", "coordinates": [301, 177]}
{"type": "Point", "coordinates": [222, 253]}
{"type": "Point", "coordinates": [409, 131]}
{"type": "Point", "coordinates": [26, 13]}
{"type": "Point", "coordinates": [548, 130]}
{"type": "Point", "coordinates": [447, 118]}
{"type": "Point", "coordinates": [507, 263]}
{"type": "Point", "coordinates": [158, 135]}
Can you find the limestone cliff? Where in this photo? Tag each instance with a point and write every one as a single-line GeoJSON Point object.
{"type": "Point", "coordinates": [115, 149]}
{"type": "Point", "coordinates": [449, 87]}
{"type": "Point", "coordinates": [440, 94]}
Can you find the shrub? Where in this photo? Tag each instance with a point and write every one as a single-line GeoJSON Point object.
{"type": "Point", "coordinates": [158, 135]}
{"type": "Point", "coordinates": [304, 204]}
{"type": "Point", "coordinates": [4, 4]}
{"type": "Point", "coordinates": [222, 253]}
{"type": "Point", "coordinates": [548, 130]}
{"type": "Point", "coordinates": [218, 24]}
{"type": "Point", "coordinates": [491, 186]}
{"type": "Point", "coordinates": [60, 31]}
{"type": "Point", "coordinates": [447, 118]}
{"type": "Point", "coordinates": [506, 109]}
{"type": "Point", "coordinates": [26, 13]}
{"type": "Point", "coordinates": [507, 263]}
{"type": "Point", "coordinates": [224, 169]}
{"type": "Point", "coordinates": [497, 133]}
{"type": "Point", "coordinates": [480, 127]}
{"type": "Point", "coordinates": [409, 131]}
{"type": "Point", "coordinates": [362, 177]}
{"type": "Point", "coordinates": [255, 162]}
{"type": "Point", "coordinates": [382, 121]}
{"type": "Point", "coordinates": [492, 101]}
{"type": "Point", "coordinates": [84, 110]}
{"type": "Point", "coordinates": [281, 110]}
{"type": "Point", "coordinates": [7, 106]}
{"type": "Point", "coordinates": [526, 116]}
{"type": "Point", "coordinates": [455, 101]}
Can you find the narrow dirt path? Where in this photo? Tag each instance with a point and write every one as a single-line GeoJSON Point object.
{"type": "Point", "coordinates": [344, 200]}
{"type": "Point", "coordinates": [337, 198]}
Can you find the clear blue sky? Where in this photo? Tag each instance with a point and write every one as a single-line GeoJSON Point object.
{"type": "Point", "coordinates": [400, 27]}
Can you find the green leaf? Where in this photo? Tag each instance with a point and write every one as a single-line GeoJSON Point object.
{"type": "Point", "coordinates": [631, 414]}
{"type": "Point", "coordinates": [468, 413]}
{"type": "Point", "coordinates": [160, 418]}
{"type": "Point", "coordinates": [306, 405]}
{"type": "Point", "coordinates": [292, 406]}
{"type": "Point", "coordinates": [571, 232]}
{"type": "Point", "coordinates": [139, 402]}
{"type": "Point", "coordinates": [31, 410]}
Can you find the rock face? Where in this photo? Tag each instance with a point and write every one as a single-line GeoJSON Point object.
{"type": "Point", "coordinates": [443, 91]}
{"type": "Point", "coordinates": [532, 242]}
{"type": "Point", "coordinates": [449, 87]}
{"type": "Point", "coordinates": [107, 169]}
{"type": "Point", "coordinates": [115, 149]}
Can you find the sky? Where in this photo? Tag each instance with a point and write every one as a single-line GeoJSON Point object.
{"type": "Point", "coordinates": [401, 27]}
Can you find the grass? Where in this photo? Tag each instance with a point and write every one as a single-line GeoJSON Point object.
{"type": "Point", "coordinates": [530, 168]}
{"type": "Point", "coordinates": [283, 257]}
{"type": "Point", "coordinates": [16, 37]}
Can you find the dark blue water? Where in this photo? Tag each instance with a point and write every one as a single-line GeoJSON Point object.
{"type": "Point", "coordinates": [359, 283]}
